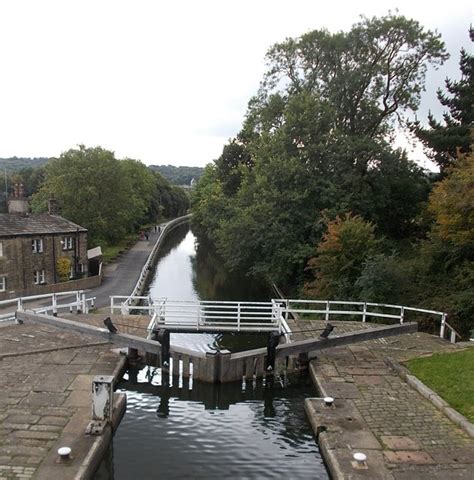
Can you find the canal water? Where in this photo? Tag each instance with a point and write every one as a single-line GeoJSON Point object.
{"type": "Point", "coordinates": [199, 431]}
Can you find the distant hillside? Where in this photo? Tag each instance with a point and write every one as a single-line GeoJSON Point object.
{"type": "Point", "coordinates": [178, 175]}
{"type": "Point", "coordinates": [14, 164]}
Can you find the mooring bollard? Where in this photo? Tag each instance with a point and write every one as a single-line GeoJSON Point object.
{"type": "Point", "coordinates": [102, 403]}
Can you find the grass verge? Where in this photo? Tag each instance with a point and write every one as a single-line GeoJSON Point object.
{"type": "Point", "coordinates": [110, 252]}
{"type": "Point", "coordinates": [451, 376]}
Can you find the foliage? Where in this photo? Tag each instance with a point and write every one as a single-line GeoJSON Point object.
{"type": "Point", "coordinates": [314, 140]}
{"type": "Point", "coordinates": [444, 141]}
{"type": "Point", "coordinates": [178, 175]}
{"type": "Point", "coordinates": [15, 164]}
{"type": "Point", "coordinates": [452, 204]}
{"type": "Point", "coordinates": [449, 375]}
{"type": "Point", "coordinates": [63, 267]}
{"type": "Point", "coordinates": [341, 258]}
{"type": "Point", "coordinates": [109, 197]}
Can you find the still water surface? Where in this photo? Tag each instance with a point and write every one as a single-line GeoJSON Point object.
{"type": "Point", "coordinates": [202, 431]}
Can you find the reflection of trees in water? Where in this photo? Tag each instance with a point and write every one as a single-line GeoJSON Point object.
{"type": "Point", "coordinates": [213, 281]}
{"type": "Point", "coordinates": [173, 240]}
{"type": "Point", "coordinates": [277, 405]}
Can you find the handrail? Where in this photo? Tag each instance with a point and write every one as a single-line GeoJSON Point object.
{"type": "Point", "coordinates": [212, 312]}
{"type": "Point", "coordinates": [81, 303]}
{"type": "Point", "coordinates": [445, 327]}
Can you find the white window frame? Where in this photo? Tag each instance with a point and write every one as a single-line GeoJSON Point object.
{"type": "Point", "coordinates": [3, 283]}
{"type": "Point", "coordinates": [67, 242]}
{"type": "Point", "coordinates": [39, 277]}
{"type": "Point", "coordinates": [37, 245]}
{"type": "Point", "coordinates": [71, 271]}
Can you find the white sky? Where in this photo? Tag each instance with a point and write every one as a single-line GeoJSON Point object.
{"type": "Point", "coordinates": [163, 82]}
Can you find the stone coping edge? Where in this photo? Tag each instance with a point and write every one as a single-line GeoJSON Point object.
{"type": "Point", "coordinates": [99, 448]}
{"type": "Point", "coordinates": [99, 445]}
{"type": "Point", "coordinates": [431, 396]}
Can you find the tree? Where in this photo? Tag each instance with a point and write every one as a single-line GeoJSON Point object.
{"type": "Point", "coordinates": [316, 138]}
{"type": "Point", "coordinates": [340, 258]}
{"type": "Point", "coordinates": [91, 190]}
{"type": "Point", "coordinates": [444, 141]}
{"type": "Point", "coordinates": [452, 204]}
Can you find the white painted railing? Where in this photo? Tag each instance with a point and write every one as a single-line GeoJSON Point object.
{"type": "Point", "coordinates": [235, 315]}
{"type": "Point", "coordinates": [208, 315]}
{"type": "Point", "coordinates": [46, 303]}
{"type": "Point", "coordinates": [329, 309]}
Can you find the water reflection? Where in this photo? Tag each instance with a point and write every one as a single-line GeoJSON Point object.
{"type": "Point", "coordinates": [188, 269]}
{"type": "Point", "coordinates": [213, 431]}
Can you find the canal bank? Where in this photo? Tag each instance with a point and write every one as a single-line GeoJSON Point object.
{"type": "Point", "coordinates": [375, 412]}
{"type": "Point", "coordinates": [46, 376]}
{"type": "Point", "coordinates": [45, 401]}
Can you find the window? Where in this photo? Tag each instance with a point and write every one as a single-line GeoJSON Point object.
{"type": "Point", "coordinates": [37, 245]}
{"type": "Point", "coordinates": [1, 249]}
{"type": "Point", "coordinates": [67, 243]}
{"type": "Point", "coordinates": [3, 284]}
{"type": "Point", "coordinates": [39, 277]}
{"type": "Point", "coordinates": [71, 272]}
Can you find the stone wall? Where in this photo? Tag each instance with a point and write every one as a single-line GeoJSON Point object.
{"type": "Point", "coordinates": [19, 263]}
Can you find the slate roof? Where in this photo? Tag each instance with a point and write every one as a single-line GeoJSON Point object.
{"type": "Point", "coordinates": [35, 224]}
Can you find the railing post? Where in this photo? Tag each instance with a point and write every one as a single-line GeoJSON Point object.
{"type": "Point", "coordinates": [327, 311]}
{"type": "Point", "coordinates": [453, 336]}
{"type": "Point", "coordinates": [78, 302]}
{"type": "Point", "coordinates": [364, 314]}
{"type": "Point", "coordinates": [85, 308]}
{"type": "Point", "coordinates": [287, 310]}
{"type": "Point", "coordinates": [150, 305]}
{"type": "Point", "coordinates": [238, 317]}
{"type": "Point", "coordinates": [402, 315]}
{"type": "Point", "coordinates": [112, 304]}
{"type": "Point", "coordinates": [443, 325]}
{"type": "Point", "coordinates": [54, 305]}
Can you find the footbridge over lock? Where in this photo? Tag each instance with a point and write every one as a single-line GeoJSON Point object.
{"type": "Point", "coordinates": [163, 316]}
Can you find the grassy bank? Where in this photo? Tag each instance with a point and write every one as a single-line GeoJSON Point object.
{"type": "Point", "coordinates": [451, 376]}
{"type": "Point", "coordinates": [111, 252]}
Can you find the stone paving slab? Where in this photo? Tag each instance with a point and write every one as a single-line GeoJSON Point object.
{"type": "Point", "coordinates": [417, 441]}
{"type": "Point", "coordinates": [45, 380]}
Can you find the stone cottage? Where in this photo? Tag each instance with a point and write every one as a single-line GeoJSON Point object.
{"type": "Point", "coordinates": [38, 250]}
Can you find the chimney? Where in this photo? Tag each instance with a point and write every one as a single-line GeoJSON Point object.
{"type": "Point", "coordinates": [18, 203]}
{"type": "Point", "coordinates": [52, 206]}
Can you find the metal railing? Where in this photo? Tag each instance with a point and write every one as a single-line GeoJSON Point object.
{"type": "Point", "coordinates": [363, 311]}
{"type": "Point", "coordinates": [46, 303]}
{"type": "Point", "coordinates": [207, 315]}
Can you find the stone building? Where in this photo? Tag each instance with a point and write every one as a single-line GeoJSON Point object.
{"type": "Point", "coordinates": [38, 250]}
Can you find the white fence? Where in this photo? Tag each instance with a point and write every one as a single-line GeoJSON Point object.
{"type": "Point", "coordinates": [206, 316]}
{"type": "Point", "coordinates": [185, 314]}
{"type": "Point", "coordinates": [365, 311]}
{"type": "Point", "coordinates": [46, 303]}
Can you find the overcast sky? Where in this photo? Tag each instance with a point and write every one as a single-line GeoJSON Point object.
{"type": "Point", "coordinates": [163, 82]}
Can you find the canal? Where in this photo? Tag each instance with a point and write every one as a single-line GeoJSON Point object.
{"type": "Point", "coordinates": [194, 430]}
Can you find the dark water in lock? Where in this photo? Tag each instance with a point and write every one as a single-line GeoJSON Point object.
{"type": "Point", "coordinates": [201, 431]}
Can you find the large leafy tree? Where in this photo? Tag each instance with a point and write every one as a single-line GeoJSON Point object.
{"type": "Point", "coordinates": [445, 140]}
{"type": "Point", "coordinates": [92, 190]}
{"type": "Point", "coordinates": [316, 137]}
